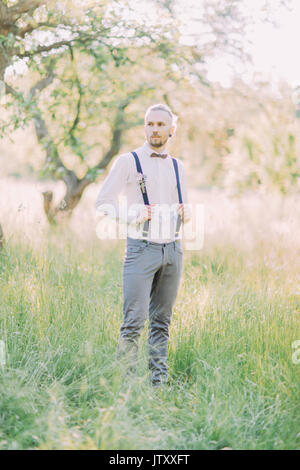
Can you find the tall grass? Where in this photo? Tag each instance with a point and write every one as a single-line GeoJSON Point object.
{"type": "Point", "coordinates": [233, 383]}
{"type": "Point", "coordinates": [232, 379]}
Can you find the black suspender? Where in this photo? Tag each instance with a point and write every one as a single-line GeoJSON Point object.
{"type": "Point", "coordinates": [143, 190]}
{"type": "Point", "coordinates": [145, 195]}
{"type": "Point", "coordinates": [178, 221]}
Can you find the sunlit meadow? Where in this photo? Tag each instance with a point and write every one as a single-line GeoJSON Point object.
{"type": "Point", "coordinates": [233, 381]}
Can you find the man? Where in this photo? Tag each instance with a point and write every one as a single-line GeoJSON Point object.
{"type": "Point", "coordinates": [153, 262]}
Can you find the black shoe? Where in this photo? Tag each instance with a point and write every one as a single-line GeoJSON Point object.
{"type": "Point", "coordinates": [158, 382]}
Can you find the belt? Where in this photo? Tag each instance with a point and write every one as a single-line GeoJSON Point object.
{"type": "Point", "coordinates": [154, 243]}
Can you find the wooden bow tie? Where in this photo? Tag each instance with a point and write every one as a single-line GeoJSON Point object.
{"type": "Point", "coordinates": [160, 155]}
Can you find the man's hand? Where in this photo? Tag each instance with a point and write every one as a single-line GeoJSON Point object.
{"type": "Point", "coordinates": [185, 212]}
{"type": "Point", "coordinates": [146, 213]}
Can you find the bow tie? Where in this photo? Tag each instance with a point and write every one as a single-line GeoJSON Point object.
{"type": "Point", "coordinates": [160, 155]}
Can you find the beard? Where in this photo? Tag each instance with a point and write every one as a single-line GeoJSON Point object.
{"type": "Point", "coordinates": [156, 144]}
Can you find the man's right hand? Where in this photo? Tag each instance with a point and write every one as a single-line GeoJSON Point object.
{"type": "Point", "coordinates": [146, 213]}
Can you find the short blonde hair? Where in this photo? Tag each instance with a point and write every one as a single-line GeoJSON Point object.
{"type": "Point", "coordinates": [163, 107]}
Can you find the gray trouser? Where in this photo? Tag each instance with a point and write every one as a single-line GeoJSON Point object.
{"type": "Point", "coordinates": [151, 276]}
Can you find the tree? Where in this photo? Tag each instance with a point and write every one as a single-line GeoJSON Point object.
{"type": "Point", "coordinates": [85, 50]}
{"type": "Point", "coordinates": [93, 62]}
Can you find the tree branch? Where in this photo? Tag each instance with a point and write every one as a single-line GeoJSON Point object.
{"type": "Point", "coordinates": [3, 13]}
{"type": "Point", "coordinates": [40, 125]}
{"type": "Point", "coordinates": [43, 83]}
{"type": "Point", "coordinates": [116, 140]}
{"type": "Point", "coordinates": [55, 45]}
{"type": "Point", "coordinates": [32, 26]}
{"type": "Point", "coordinates": [10, 90]}
{"type": "Point", "coordinates": [27, 29]}
{"type": "Point", "coordinates": [78, 84]}
{"type": "Point", "coordinates": [24, 6]}
{"type": "Point", "coordinates": [56, 165]}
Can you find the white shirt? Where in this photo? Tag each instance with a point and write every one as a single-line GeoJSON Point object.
{"type": "Point", "coordinates": [161, 188]}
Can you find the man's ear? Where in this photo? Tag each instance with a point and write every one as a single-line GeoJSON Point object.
{"type": "Point", "coordinates": [172, 131]}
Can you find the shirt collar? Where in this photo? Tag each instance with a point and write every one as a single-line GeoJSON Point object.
{"type": "Point", "coordinates": [149, 150]}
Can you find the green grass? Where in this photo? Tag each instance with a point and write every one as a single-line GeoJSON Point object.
{"type": "Point", "coordinates": [232, 379]}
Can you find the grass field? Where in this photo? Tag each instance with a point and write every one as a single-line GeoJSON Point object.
{"type": "Point", "coordinates": [233, 382]}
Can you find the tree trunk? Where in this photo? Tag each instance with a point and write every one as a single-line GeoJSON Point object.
{"type": "Point", "coordinates": [63, 211]}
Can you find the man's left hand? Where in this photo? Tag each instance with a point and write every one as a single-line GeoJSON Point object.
{"type": "Point", "coordinates": [185, 212]}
